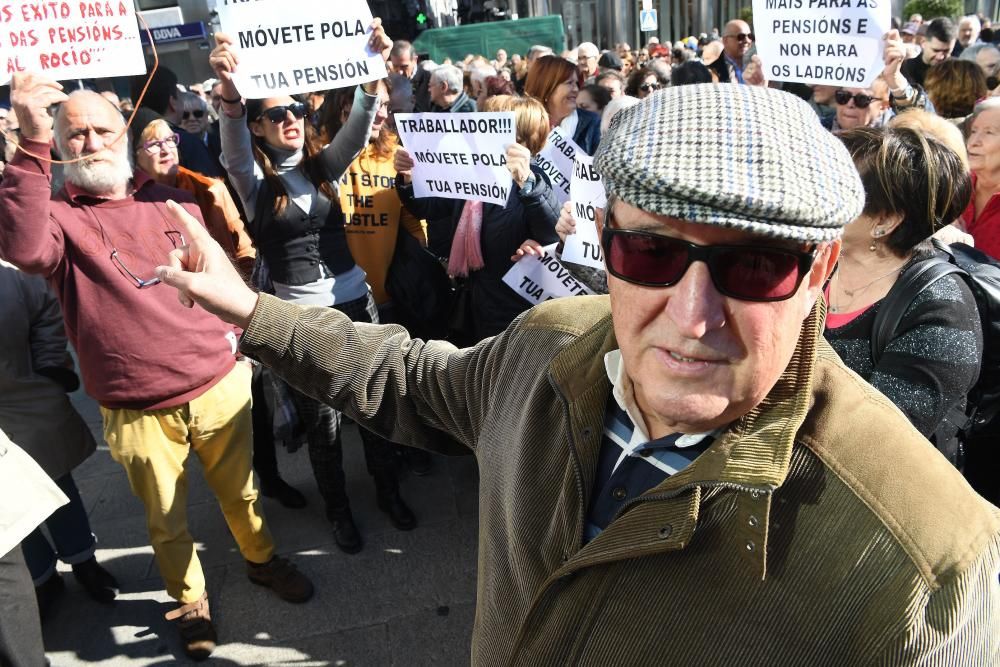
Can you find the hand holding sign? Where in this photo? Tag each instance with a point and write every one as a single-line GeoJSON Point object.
{"type": "Point", "coordinates": [403, 164]}
{"type": "Point", "coordinates": [566, 225]}
{"type": "Point", "coordinates": [223, 60]}
{"type": "Point", "coordinates": [519, 163]}
{"type": "Point", "coordinates": [31, 95]}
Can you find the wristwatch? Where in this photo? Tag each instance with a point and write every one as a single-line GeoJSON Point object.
{"type": "Point", "coordinates": [528, 185]}
{"type": "Point", "coordinates": [907, 93]}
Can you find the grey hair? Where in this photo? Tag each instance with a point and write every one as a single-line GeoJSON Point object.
{"type": "Point", "coordinates": [192, 101]}
{"type": "Point", "coordinates": [973, 50]}
{"type": "Point", "coordinates": [450, 75]}
{"type": "Point", "coordinates": [539, 50]}
{"type": "Point", "coordinates": [989, 104]}
{"type": "Point", "coordinates": [973, 19]}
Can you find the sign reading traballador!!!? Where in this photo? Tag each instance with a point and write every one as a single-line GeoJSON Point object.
{"type": "Point", "coordinates": [69, 40]}
{"type": "Point", "coordinates": [459, 155]}
{"type": "Point", "coordinates": [298, 46]}
{"type": "Point", "coordinates": [832, 42]}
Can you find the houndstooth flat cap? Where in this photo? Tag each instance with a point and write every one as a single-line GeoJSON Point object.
{"type": "Point", "coordinates": [736, 156]}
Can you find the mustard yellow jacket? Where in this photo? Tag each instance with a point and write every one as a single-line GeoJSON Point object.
{"type": "Point", "coordinates": [820, 529]}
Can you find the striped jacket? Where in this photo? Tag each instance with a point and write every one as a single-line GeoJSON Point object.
{"type": "Point", "coordinates": [819, 529]}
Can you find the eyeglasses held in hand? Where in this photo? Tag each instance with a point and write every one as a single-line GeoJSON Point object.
{"type": "Point", "coordinates": [154, 147]}
{"type": "Point", "coordinates": [279, 114]}
{"type": "Point", "coordinates": [647, 87]}
{"type": "Point", "coordinates": [861, 100]}
{"type": "Point", "coordinates": [198, 113]}
{"type": "Point", "coordinates": [176, 238]}
{"type": "Point", "coordinates": [748, 273]}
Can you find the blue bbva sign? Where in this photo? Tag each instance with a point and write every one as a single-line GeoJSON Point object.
{"type": "Point", "coordinates": [175, 33]}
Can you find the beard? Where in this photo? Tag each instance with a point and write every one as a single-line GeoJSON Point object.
{"type": "Point", "coordinates": [99, 177]}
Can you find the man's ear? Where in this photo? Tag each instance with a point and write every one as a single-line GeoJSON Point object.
{"type": "Point", "coordinates": [827, 256]}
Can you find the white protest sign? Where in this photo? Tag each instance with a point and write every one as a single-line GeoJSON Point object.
{"type": "Point", "coordinates": [540, 279]}
{"type": "Point", "coordinates": [70, 40]}
{"type": "Point", "coordinates": [298, 46]}
{"type": "Point", "coordinates": [556, 160]}
{"type": "Point", "coordinates": [459, 155]}
{"type": "Point", "coordinates": [832, 42]}
{"type": "Point", "coordinates": [586, 196]}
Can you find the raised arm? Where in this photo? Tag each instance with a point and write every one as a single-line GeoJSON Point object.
{"type": "Point", "coordinates": [234, 135]}
{"type": "Point", "coordinates": [29, 238]}
{"type": "Point", "coordinates": [403, 389]}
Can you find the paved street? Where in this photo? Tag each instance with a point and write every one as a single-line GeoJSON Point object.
{"type": "Point", "coordinates": [406, 599]}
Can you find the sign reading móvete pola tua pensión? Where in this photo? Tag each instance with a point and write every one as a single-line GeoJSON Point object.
{"type": "Point", "coordinates": [831, 42]}
{"type": "Point", "coordinates": [69, 40]}
{"type": "Point", "coordinates": [298, 46]}
{"type": "Point", "coordinates": [459, 155]}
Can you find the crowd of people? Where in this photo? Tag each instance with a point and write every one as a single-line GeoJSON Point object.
{"type": "Point", "coordinates": [691, 447]}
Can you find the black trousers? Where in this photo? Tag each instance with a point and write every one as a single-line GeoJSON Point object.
{"type": "Point", "coordinates": [322, 427]}
{"type": "Point", "coordinates": [20, 626]}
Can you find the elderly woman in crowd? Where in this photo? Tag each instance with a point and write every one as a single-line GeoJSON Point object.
{"type": "Point", "coordinates": [861, 107]}
{"type": "Point", "coordinates": [914, 186]}
{"type": "Point", "coordinates": [982, 217]}
{"type": "Point", "coordinates": [554, 81]}
{"type": "Point", "coordinates": [156, 154]}
{"type": "Point", "coordinates": [486, 235]}
{"type": "Point", "coordinates": [288, 184]}
{"type": "Point", "coordinates": [954, 86]}
{"type": "Point", "coordinates": [644, 82]}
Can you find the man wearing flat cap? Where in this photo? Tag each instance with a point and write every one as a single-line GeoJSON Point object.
{"type": "Point", "coordinates": [682, 472]}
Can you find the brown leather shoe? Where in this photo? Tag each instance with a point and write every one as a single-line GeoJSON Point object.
{"type": "Point", "coordinates": [194, 623]}
{"type": "Point", "coordinates": [282, 577]}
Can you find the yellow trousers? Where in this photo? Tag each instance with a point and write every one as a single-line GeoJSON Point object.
{"type": "Point", "coordinates": [152, 446]}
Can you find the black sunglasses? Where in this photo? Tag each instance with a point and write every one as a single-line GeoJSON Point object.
{"type": "Point", "coordinates": [646, 87]}
{"type": "Point", "coordinates": [861, 100]}
{"type": "Point", "coordinates": [200, 113]}
{"type": "Point", "coordinates": [743, 37]}
{"type": "Point", "coordinates": [748, 273]}
{"type": "Point", "coordinates": [279, 114]}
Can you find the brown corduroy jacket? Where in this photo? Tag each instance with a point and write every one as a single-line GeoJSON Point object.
{"type": "Point", "coordinates": [820, 529]}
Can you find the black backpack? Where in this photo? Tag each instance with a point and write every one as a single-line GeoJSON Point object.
{"type": "Point", "coordinates": [969, 439]}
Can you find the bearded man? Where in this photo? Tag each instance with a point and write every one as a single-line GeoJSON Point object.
{"type": "Point", "coordinates": [168, 383]}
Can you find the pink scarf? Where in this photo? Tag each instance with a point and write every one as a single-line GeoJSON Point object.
{"type": "Point", "coordinates": [466, 251]}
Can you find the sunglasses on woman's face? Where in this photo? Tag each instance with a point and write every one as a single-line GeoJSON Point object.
{"type": "Point", "coordinates": [199, 114]}
{"type": "Point", "coordinates": [748, 273]}
{"type": "Point", "coordinates": [648, 87]}
{"type": "Point", "coordinates": [861, 100]}
{"type": "Point", "coordinates": [279, 114]}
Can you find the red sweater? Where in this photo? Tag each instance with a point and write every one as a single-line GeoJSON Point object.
{"type": "Point", "coordinates": [138, 348]}
{"type": "Point", "coordinates": [985, 229]}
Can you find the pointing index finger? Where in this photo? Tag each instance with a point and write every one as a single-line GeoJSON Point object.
{"type": "Point", "coordinates": [191, 228]}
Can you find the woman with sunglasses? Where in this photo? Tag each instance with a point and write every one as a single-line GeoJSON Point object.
{"type": "Point", "coordinates": [555, 82]}
{"type": "Point", "coordinates": [288, 184]}
{"type": "Point", "coordinates": [644, 82]}
{"type": "Point", "coordinates": [860, 107]}
{"type": "Point", "coordinates": [914, 186]}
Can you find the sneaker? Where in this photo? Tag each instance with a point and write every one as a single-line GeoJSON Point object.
{"type": "Point", "coordinates": [47, 593]}
{"type": "Point", "coordinates": [283, 492]}
{"type": "Point", "coordinates": [399, 513]}
{"type": "Point", "coordinates": [194, 624]}
{"type": "Point", "coordinates": [281, 576]}
{"type": "Point", "coordinates": [98, 582]}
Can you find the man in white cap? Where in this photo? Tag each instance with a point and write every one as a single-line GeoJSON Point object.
{"type": "Point", "coordinates": [682, 472]}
